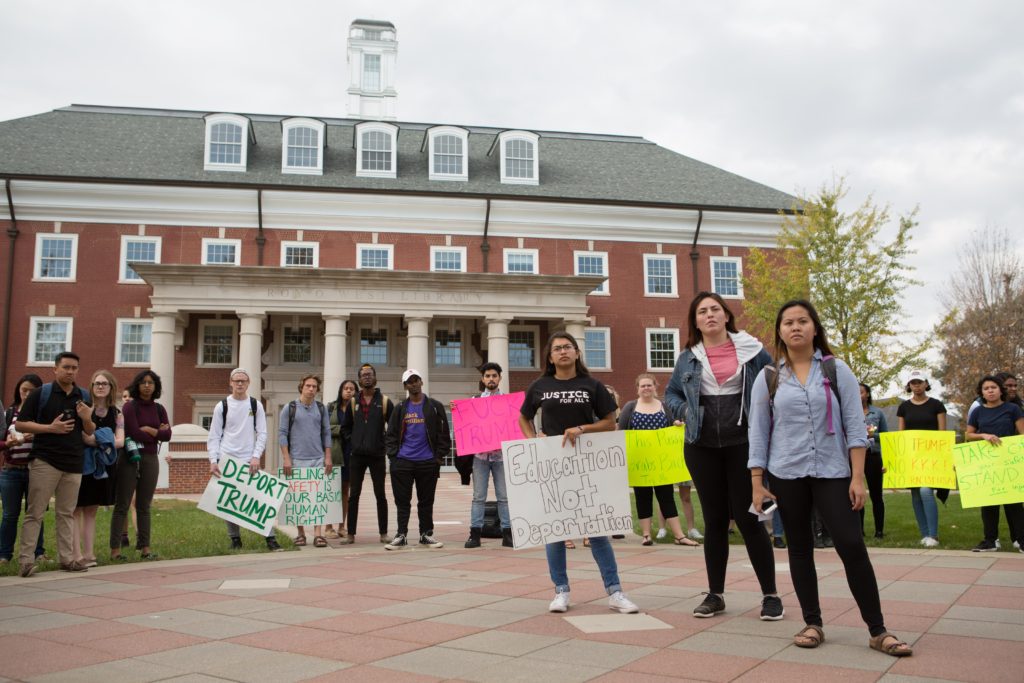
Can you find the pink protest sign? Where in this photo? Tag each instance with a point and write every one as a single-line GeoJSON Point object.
{"type": "Point", "coordinates": [481, 424]}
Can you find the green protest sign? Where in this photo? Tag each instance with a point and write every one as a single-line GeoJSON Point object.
{"type": "Point", "coordinates": [249, 499]}
{"type": "Point", "coordinates": [990, 475]}
{"type": "Point", "coordinates": [313, 498]}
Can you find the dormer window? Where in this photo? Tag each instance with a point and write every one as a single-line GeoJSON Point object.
{"type": "Point", "coordinates": [302, 146]}
{"type": "Point", "coordinates": [227, 142]}
{"type": "Point", "coordinates": [519, 163]}
{"type": "Point", "coordinates": [449, 153]}
{"type": "Point", "coordinates": [376, 150]}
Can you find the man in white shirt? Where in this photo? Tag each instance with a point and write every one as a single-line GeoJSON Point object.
{"type": "Point", "coordinates": [239, 430]}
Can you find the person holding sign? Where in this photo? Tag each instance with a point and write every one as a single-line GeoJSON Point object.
{"type": "Point", "coordinates": [995, 418]}
{"type": "Point", "coordinates": [647, 412]}
{"type": "Point", "coordinates": [304, 437]}
{"type": "Point", "coordinates": [573, 403]}
{"type": "Point", "coordinates": [921, 411]}
{"type": "Point", "coordinates": [874, 420]}
{"type": "Point", "coordinates": [709, 391]}
{"type": "Point", "coordinates": [485, 466]}
{"type": "Point", "coordinates": [807, 434]}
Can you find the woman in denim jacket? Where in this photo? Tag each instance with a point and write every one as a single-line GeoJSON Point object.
{"type": "Point", "coordinates": [710, 392]}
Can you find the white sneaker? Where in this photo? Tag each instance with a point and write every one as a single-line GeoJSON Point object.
{"type": "Point", "coordinates": [998, 544]}
{"type": "Point", "coordinates": [929, 542]}
{"type": "Point", "coordinates": [662, 533]}
{"type": "Point", "coordinates": [560, 603]}
{"type": "Point", "coordinates": [695, 535]}
{"type": "Point", "coordinates": [1016, 544]}
{"type": "Point", "coordinates": [620, 603]}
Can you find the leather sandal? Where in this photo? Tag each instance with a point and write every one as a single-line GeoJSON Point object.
{"type": "Point", "coordinates": [683, 540]}
{"type": "Point", "coordinates": [300, 540]}
{"type": "Point", "coordinates": [569, 545]}
{"type": "Point", "coordinates": [812, 636]}
{"type": "Point", "coordinates": [894, 648]}
{"type": "Point", "coordinates": [319, 542]}
{"type": "Point", "coordinates": [647, 540]}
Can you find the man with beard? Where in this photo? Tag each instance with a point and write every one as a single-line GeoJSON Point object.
{"type": "Point", "coordinates": [366, 419]}
{"type": "Point", "coordinates": [485, 466]}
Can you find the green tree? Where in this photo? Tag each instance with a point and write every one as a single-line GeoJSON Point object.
{"type": "Point", "coordinates": [856, 281]}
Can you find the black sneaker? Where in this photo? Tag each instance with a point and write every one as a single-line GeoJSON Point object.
{"type": "Point", "coordinates": [397, 543]}
{"type": "Point", "coordinates": [429, 541]}
{"type": "Point", "coordinates": [273, 546]}
{"type": "Point", "coordinates": [771, 608]}
{"type": "Point", "coordinates": [712, 605]}
{"type": "Point", "coordinates": [779, 542]}
{"type": "Point", "coordinates": [819, 542]}
{"type": "Point", "coordinates": [985, 546]}
{"type": "Point", "coordinates": [236, 543]}
{"type": "Point", "coordinates": [827, 541]}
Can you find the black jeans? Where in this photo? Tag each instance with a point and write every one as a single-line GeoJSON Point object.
{"type": "Point", "coordinates": [138, 479]}
{"type": "Point", "coordinates": [423, 474]}
{"type": "Point", "coordinates": [873, 475]}
{"type": "Point", "coordinates": [358, 464]}
{"type": "Point", "coordinates": [723, 486]}
{"type": "Point", "coordinates": [645, 501]}
{"type": "Point", "coordinates": [1014, 520]}
{"type": "Point", "coordinates": [831, 498]}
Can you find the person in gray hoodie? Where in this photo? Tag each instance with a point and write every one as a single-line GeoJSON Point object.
{"type": "Point", "coordinates": [709, 392]}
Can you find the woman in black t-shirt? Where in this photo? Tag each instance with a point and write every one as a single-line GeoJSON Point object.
{"type": "Point", "coordinates": [920, 411]}
{"type": "Point", "coordinates": [573, 403]}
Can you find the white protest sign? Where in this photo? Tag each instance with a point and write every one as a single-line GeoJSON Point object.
{"type": "Point", "coordinates": [250, 500]}
{"type": "Point", "coordinates": [313, 498]}
{"type": "Point", "coordinates": [556, 493]}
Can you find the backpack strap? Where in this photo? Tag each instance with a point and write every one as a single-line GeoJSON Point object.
{"type": "Point", "coordinates": [291, 421]}
{"type": "Point", "coordinates": [252, 409]}
{"type": "Point", "coordinates": [831, 382]}
{"type": "Point", "coordinates": [44, 398]}
{"type": "Point", "coordinates": [223, 415]}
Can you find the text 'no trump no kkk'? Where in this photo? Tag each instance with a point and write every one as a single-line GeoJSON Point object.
{"type": "Point", "coordinates": [481, 424]}
{"type": "Point", "coordinates": [990, 475]}
{"type": "Point", "coordinates": [918, 457]}
{"type": "Point", "coordinates": [556, 493]}
{"type": "Point", "coordinates": [249, 499]}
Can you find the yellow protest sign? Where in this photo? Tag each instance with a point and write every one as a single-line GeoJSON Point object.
{"type": "Point", "coordinates": [655, 456]}
{"type": "Point", "coordinates": [989, 475]}
{"type": "Point", "coordinates": [917, 458]}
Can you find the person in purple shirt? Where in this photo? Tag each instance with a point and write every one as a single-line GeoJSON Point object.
{"type": "Point", "coordinates": [417, 442]}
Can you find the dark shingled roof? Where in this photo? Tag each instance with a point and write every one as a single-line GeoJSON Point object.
{"type": "Point", "coordinates": [166, 146]}
{"type": "Point", "coordinates": [372, 22]}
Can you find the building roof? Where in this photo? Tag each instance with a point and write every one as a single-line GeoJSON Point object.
{"type": "Point", "coordinates": [119, 144]}
{"type": "Point", "coordinates": [372, 22]}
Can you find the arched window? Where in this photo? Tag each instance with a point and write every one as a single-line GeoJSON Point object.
{"type": "Point", "coordinates": [227, 142]}
{"type": "Point", "coordinates": [449, 153]}
{"type": "Point", "coordinates": [302, 146]}
{"type": "Point", "coordinates": [376, 150]}
{"type": "Point", "coordinates": [519, 162]}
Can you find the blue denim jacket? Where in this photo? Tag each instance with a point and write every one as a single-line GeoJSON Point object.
{"type": "Point", "coordinates": [682, 396]}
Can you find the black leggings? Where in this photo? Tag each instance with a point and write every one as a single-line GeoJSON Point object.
{"type": "Point", "coordinates": [723, 486]}
{"type": "Point", "coordinates": [139, 480]}
{"type": "Point", "coordinates": [645, 501]}
{"type": "Point", "coordinates": [358, 465]}
{"type": "Point", "coordinates": [990, 521]}
{"type": "Point", "coordinates": [831, 498]}
{"type": "Point", "coordinates": [873, 475]}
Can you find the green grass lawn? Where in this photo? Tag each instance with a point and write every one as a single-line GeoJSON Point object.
{"type": "Point", "coordinates": [179, 530]}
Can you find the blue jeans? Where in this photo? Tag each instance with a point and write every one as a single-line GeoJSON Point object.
{"type": "Point", "coordinates": [604, 555]}
{"type": "Point", "coordinates": [14, 490]}
{"type": "Point", "coordinates": [926, 510]}
{"type": "Point", "coordinates": [777, 530]}
{"type": "Point", "coordinates": [482, 469]}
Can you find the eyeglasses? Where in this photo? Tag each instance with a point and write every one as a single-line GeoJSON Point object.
{"type": "Point", "coordinates": [239, 381]}
{"type": "Point", "coordinates": [101, 384]}
{"type": "Point", "coordinates": [562, 347]}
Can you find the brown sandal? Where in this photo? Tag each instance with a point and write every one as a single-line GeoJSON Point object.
{"type": "Point", "coordinates": [812, 635]}
{"type": "Point", "coordinates": [569, 545]}
{"type": "Point", "coordinates": [300, 540]}
{"type": "Point", "coordinates": [647, 540]}
{"type": "Point", "coordinates": [896, 648]}
{"type": "Point", "coordinates": [683, 540]}
{"type": "Point", "coordinates": [319, 542]}
{"type": "Point", "coordinates": [586, 541]}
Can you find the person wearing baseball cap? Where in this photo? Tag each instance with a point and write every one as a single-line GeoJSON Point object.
{"type": "Point", "coordinates": [417, 442]}
{"type": "Point", "coordinates": [921, 411]}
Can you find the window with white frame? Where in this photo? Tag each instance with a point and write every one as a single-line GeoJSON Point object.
{"type": "Point", "coordinates": [662, 348]}
{"type": "Point", "coordinates": [137, 249]}
{"type": "Point", "coordinates": [593, 263]}
{"type": "Point", "coordinates": [447, 348]}
{"type": "Point", "coordinates": [47, 337]}
{"type": "Point", "coordinates": [221, 252]}
{"type": "Point", "coordinates": [376, 145]}
{"type": "Point", "coordinates": [659, 275]}
{"type": "Point", "coordinates": [375, 256]}
{"type": "Point", "coordinates": [134, 341]}
{"type": "Point", "coordinates": [522, 347]}
{"type": "Point", "coordinates": [56, 257]}
{"type": "Point", "coordinates": [302, 148]}
{"type": "Point", "coordinates": [448, 259]}
{"type": "Point", "coordinates": [727, 276]}
{"type": "Point", "coordinates": [522, 261]}
{"type": "Point", "coordinates": [371, 69]}
{"type": "Point", "coordinates": [449, 153]}
{"type": "Point", "coordinates": [218, 343]}
{"type": "Point", "coordinates": [300, 254]}
{"type": "Point", "coordinates": [519, 159]}
{"type": "Point", "coordinates": [227, 142]}
{"type": "Point", "coordinates": [597, 353]}
{"type": "Point", "coordinates": [297, 344]}
{"type": "Point", "coordinates": [373, 346]}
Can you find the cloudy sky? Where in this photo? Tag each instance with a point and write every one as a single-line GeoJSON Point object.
{"type": "Point", "coordinates": [915, 102]}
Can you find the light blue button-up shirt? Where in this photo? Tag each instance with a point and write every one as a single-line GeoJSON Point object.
{"type": "Point", "coordinates": [799, 444]}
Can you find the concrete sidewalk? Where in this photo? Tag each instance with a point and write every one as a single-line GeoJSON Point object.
{"type": "Point", "coordinates": [360, 613]}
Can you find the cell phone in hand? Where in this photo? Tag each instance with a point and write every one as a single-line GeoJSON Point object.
{"type": "Point", "coordinates": [67, 414]}
{"type": "Point", "coordinates": [768, 506]}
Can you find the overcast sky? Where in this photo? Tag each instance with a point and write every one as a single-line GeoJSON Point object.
{"type": "Point", "coordinates": [916, 103]}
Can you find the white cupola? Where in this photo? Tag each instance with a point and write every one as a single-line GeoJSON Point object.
{"type": "Point", "coordinates": [372, 57]}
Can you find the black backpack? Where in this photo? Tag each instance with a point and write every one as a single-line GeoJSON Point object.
{"type": "Point", "coordinates": [224, 414]}
{"type": "Point", "coordinates": [291, 417]}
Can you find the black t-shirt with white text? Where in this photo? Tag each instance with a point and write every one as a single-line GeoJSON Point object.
{"type": "Point", "coordinates": [566, 403]}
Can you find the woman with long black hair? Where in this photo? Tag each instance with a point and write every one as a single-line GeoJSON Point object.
{"type": "Point", "coordinates": [15, 448]}
{"type": "Point", "coordinates": [341, 448]}
{"type": "Point", "coordinates": [874, 420]}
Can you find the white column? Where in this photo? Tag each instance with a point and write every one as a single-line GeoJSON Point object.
{"type": "Point", "coordinates": [419, 347]}
{"type": "Point", "coordinates": [335, 354]}
{"type": "Point", "coordinates": [250, 350]}
{"type": "Point", "coordinates": [161, 359]}
{"type": "Point", "coordinates": [497, 347]}
{"type": "Point", "coordinates": [578, 329]}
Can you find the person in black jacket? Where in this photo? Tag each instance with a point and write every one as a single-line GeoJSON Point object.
{"type": "Point", "coordinates": [418, 441]}
{"type": "Point", "coordinates": [366, 418]}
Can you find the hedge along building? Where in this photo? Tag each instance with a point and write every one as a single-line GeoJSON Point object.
{"type": "Point", "coordinates": [192, 242]}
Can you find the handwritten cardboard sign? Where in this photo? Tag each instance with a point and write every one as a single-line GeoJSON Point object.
{"type": "Point", "coordinates": [556, 493]}
{"type": "Point", "coordinates": [481, 424]}
{"type": "Point", "coordinates": [250, 500]}
{"type": "Point", "coordinates": [313, 498]}
{"type": "Point", "coordinates": [989, 475]}
{"type": "Point", "coordinates": [655, 456]}
{"type": "Point", "coordinates": [917, 458]}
